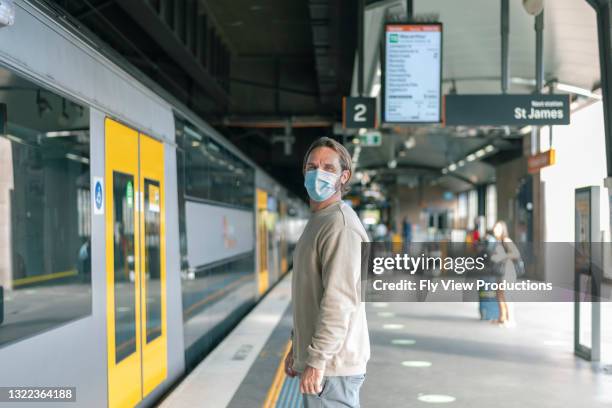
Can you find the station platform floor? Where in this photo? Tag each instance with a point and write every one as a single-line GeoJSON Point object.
{"type": "Point", "coordinates": [422, 354]}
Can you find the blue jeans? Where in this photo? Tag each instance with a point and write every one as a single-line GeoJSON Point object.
{"type": "Point", "coordinates": [338, 392]}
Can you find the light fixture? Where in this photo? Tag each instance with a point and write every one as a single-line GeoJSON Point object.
{"type": "Point", "coordinates": [444, 170]}
{"type": "Point", "coordinates": [392, 164]}
{"type": "Point", "coordinates": [525, 130]}
{"type": "Point", "coordinates": [452, 167]}
{"type": "Point", "coordinates": [577, 90]}
{"type": "Point", "coordinates": [480, 153]}
{"type": "Point", "coordinates": [410, 143]}
{"type": "Point", "coordinates": [192, 133]}
{"type": "Point", "coordinates": [489, 149]}
{"type": "Point", "coordinates": [375, 90]}
{"type": "Point", "coordinates": [461, 163]}
{"type": "Point", "coordinates": [77, 158]}
{"type": "Point", "coordinates": [470, 157]}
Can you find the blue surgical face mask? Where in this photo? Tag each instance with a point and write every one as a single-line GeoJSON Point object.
{"type": "Point", "coordinates": [320, 184]}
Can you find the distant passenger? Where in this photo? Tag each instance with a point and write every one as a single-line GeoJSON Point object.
{"type": "Point", "coordinates": [407, 231]}
{"type": "Point", "coordinates": [331, 346]}
{"type": "Point", "coordinates": [504, 256]}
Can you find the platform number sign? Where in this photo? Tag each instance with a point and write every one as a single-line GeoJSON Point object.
{"type": "Point", "coordinates": [358, 112]}
{"type": "Point", "coordinates": [98, 196]}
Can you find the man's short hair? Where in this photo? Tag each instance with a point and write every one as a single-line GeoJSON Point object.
{"type": "Point", "coordinates": [346, 163]}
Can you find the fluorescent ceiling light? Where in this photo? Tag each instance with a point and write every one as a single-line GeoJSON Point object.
{"type": "Point", "coordinates": [525, 130]}
{"type": "Point", "coordinates": [375, 90]}
{"type": "Point", "coordinates": [489, 149]}
{"type": "Point", "coordinates": [59, 133]}
{"type": "Point", "coordinates": [452, 167]}
{"type": "Point", "coordinates": [77, 158]}
{"type": "Point", "coordinates": [577, 90]}
{"type": "Point", "coordinates": [461, 163]}
{"type": "Point", "coordinates": [480, 153]}
{"type": "Point", "coordinates": [192, 133]}
{"type": "Point", "coordinates": [470, 157]}
{"type": "Point", "coordinates": [444, 170]}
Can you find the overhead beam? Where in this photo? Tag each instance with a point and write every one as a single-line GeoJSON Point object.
{"type": "Point", "coordinates": [169, 39]}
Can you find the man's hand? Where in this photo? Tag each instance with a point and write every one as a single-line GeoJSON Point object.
{"type": "Point", "coordinates": [310, 382]}
{"type": "Point", "coordinates": [289, 364]}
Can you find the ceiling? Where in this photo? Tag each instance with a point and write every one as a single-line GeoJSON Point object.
{"type": "Point", "coordinates": [270, 74]}
{"type": "Point", "coordinates": [472, 64]}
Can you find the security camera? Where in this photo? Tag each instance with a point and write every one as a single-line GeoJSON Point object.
{"type": "Point", "coordinates": [7, 13]}
{"type": "Point", "coordinates": [533, 7]}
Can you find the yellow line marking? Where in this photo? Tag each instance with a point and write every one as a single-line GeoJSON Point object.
{"type": "Point", "coordinates": [42, 278]}
{"type": "Point", "coordinates": [277, 383]}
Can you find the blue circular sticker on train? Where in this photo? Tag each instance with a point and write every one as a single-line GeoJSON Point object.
{"type": "Point", "coordinates": [98, 195]}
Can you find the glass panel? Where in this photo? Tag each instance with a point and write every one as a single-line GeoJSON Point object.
{"type": "Point", "coordinates": [45, 220]}
{"type": "Point", "coordinates": [125, 291]}
{"type": "Point", "coordinates": [211, 171]}
{"type": "Point", "coordinates": [152, 266]}
{"type": "Point", "coordinates": [211, 297]}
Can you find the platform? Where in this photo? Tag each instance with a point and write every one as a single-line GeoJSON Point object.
{"type": "Point", "coordinates": [422, 354]}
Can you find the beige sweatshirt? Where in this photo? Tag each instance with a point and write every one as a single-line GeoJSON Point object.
{"type": "Point", "coordinates": [330, 330]}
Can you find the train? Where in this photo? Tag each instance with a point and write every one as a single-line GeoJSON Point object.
{"type": "Point", "coordinates": [133, 236]}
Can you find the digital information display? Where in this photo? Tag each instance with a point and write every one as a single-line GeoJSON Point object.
{"type": "Point", "coordinates": [412, 73]}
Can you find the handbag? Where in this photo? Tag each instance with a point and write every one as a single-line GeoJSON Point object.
{"type": "Point", "coordinates": [519, 265]}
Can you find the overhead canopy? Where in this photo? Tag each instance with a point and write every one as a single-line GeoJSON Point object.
{"type": "Point", "coordinates": [472, 64]}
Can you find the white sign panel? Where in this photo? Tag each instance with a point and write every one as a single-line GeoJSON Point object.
{"type": "Point", "coordinates": [413, 69]}
{"type": "Point", "coordinates": [215, 232]}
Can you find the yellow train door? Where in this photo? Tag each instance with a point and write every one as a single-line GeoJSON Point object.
{"type": "Point", "coordinates": [135, 268]}
{"type": "Point", "coordinates": [263, 280]}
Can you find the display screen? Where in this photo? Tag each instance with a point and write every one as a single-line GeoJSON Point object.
{"type": "Point", "coordinates": [412, 73]}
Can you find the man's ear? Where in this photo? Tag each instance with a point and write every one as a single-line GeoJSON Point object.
{"type": "Point", "coordinates": [344, 177]}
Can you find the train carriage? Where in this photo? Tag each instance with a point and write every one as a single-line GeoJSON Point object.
{"type": "Point", "coordinates": [127, 224]}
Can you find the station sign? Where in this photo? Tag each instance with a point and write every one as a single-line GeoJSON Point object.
{"type": "Point", "coordinates": [370, 139]}
{"type": "Point", "coordinates": [540, 160]}
{"type": "Point", "coordinates": [412, 72]}
{"type": "Point", "coordinates": [358, 112]}
{"type": "Point", "coordinates": [507, 110]}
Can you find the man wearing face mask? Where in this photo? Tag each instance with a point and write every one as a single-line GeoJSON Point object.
{"type": "Point", "coordinates": [330, 346]}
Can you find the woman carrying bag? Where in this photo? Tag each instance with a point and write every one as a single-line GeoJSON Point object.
{"type": "Point", "coordinates": [506, 257]}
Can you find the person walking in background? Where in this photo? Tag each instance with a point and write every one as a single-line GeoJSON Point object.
{"type": "Point", "coordinates": [330, 341]}
{"type": "Point", "coordinates": [407, 231]}
{"type": "Point", "coordinates": [504, 255]}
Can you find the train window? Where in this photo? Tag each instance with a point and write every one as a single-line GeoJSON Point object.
{"type": "Point", "coordinates": [152, 258]}
{"type": "Point", "coordinates": [125, 306]}
{"type": "Point", "coordinates": [45, 216]}
{"type": "Point", "coordinates": [209, 171]}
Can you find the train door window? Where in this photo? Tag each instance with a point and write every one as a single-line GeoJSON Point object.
{"type": "Point", "coordinates": [152, 258]}
{"type": "Point", "coordinates": [135, 245]}
{"type": "Point", "coordinates": [124, 265]}
{"type": "Point", "coordinates": [45, 217]}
